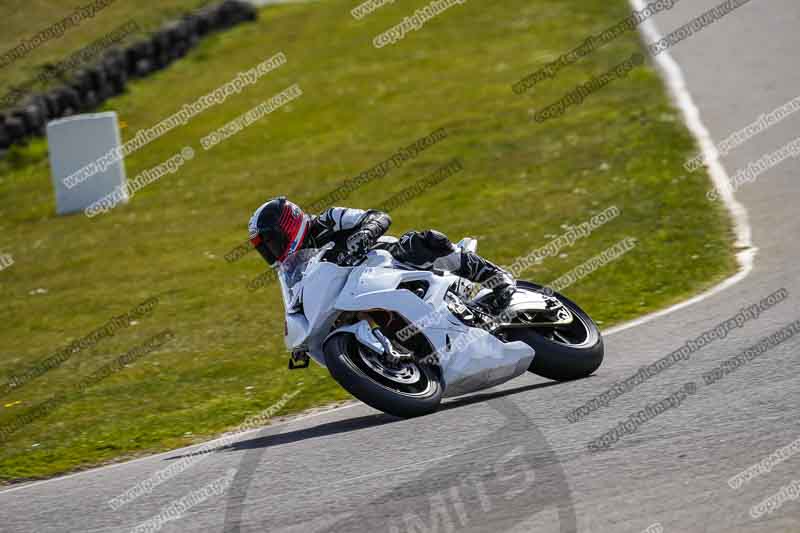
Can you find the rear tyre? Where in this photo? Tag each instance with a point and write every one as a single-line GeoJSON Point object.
{"type": "Point", "coordinates": [568, 353]}
{"type": "Point", "coordinates": [414, 391]}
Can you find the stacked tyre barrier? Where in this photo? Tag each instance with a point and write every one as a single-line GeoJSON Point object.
{"type": "Point", "coordinates": [90, 86]}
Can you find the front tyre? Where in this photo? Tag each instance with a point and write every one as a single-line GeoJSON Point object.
{"type": "Point", "coordinates": [406, 390]}
{"type": "Point", "coordinates": [566, 352]}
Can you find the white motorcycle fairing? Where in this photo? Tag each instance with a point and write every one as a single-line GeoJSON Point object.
{"type": "Point", "coordinates": [316, 293]}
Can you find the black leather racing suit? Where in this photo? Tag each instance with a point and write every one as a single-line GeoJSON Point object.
{"type": "Point", "coordinates": [354, 232]}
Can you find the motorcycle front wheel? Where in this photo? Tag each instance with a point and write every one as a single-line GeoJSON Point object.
{"type": "Point", "coordinates": [406, 389]}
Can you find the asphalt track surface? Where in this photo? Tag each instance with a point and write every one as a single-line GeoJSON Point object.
{"type": "Point", "coordinates": [509, 460]}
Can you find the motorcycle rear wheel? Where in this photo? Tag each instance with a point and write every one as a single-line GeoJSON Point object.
{"type": "Point", "coordinates": [412, 391]}
{"type": "Point", "coordinates": [564, 353]}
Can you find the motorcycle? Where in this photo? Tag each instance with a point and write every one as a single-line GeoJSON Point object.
{"type": "Point", "coordinates": [401, 339]}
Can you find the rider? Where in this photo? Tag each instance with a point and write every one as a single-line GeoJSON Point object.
{"type": "Point", "coordinates": [279, 228]}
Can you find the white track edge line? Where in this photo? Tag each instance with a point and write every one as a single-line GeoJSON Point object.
{"type": "Point", "coordinates": [186, 449]}
{"type": "Point", "coordinates": [676, 83]}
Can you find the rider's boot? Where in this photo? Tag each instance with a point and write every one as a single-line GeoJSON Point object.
{"type": "Point", "coordinates": [476, 268]}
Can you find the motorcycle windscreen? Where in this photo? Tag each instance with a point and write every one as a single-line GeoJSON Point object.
{"type": "Point", "coordinates": [291, 271]}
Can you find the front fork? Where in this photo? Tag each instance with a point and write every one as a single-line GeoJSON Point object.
{"type": "Point", "coordinates": [389, 352]}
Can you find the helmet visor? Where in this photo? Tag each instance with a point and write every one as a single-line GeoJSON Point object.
{"type": "Point", "coordinates": [271, 245]}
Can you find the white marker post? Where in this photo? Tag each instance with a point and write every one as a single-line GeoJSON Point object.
{"type": "Point", "coordinates": [75, 142]}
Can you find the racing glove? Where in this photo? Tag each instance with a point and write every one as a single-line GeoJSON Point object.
{"type": "Point", "coordinates": [374, 225]}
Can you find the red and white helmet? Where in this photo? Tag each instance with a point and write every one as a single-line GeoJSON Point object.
{"type": "Point", "coordinates": [278, 229]}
